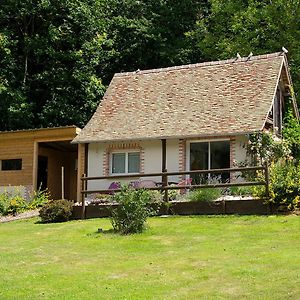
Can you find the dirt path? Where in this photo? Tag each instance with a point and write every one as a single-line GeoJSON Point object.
{"type": "Point", "coordinates": [24, 215]}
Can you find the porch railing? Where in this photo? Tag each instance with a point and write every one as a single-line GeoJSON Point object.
{"type": "Point", "coordinates": [165, 186]}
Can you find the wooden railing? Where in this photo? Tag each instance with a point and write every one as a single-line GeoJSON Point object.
{"type": "Point", "coordinates": [164, 182]}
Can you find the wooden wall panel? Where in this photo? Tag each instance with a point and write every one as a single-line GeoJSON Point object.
{"type": "Point", "coordinates": [12, 149]}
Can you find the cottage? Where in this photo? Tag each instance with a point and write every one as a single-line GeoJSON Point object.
{"type": "Point", "coordinates": [39, 158]}
{"type": "Point", "coordinates": [197, 116]}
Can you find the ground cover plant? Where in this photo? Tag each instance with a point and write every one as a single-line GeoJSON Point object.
{"type": "Point", "coordinates": [205, 257]}
{"type": "Point", "coordinates": [205, 194]}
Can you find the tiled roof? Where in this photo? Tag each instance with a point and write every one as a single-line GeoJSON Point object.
{"type": "Point", "coordinates": [215, 98]}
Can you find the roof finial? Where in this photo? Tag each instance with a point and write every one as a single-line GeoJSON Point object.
{"type": "Point", "coordinates": [138, 71]}
{"type": "Point", "coordinates": [284, 50]}
{"type": "Point", "coordinates": [238, 56]}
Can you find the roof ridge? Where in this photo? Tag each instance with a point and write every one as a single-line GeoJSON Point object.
{"type": "Point", "coordinates": [203, 64]}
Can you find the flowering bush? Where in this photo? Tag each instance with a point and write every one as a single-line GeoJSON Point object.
{"type": "Point", "coordinates": [285, 184]}
{"type": "Point", "coordinates": [266, 147]}
{"type": "Point", "coordinates": [13, 202]}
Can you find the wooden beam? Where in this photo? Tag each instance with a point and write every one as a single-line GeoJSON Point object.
{"type": "Point", "coordinates": [86, 157]}
{"type": "Point", "coordinates": [127, 176]}
{"type": "Point", "coordinates": [164, 167]}
{"type": "Point", "coordinates": [35, 165]}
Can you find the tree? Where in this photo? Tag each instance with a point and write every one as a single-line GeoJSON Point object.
{"type": "Point", "coordinates": [236, 26]}
{"type": "Point", "coordinates": [49, 51]}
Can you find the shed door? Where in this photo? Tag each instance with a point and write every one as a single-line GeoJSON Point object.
{"type": "Point", "coordinates": [42, 172]}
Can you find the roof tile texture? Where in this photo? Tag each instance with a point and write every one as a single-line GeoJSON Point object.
{"type": "Point", "coordinates": [217, 98]}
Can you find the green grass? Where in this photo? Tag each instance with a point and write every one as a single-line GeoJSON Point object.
{"type": "Point", "coordinates": [209, 257]}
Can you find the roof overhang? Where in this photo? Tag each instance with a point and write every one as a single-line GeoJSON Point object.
{"type": "Point", "coordinates": [186, 137]}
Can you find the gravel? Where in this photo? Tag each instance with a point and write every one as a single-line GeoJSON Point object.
{"type": "Point", "coordinates": [24, 215]}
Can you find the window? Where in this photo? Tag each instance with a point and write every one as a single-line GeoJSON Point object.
{"type": "Point", "coordinates": [207, 156]}
{"type": "Point", "coordinates": [125, 162]}
{"type": "Point", "coordinates": [11, 164]}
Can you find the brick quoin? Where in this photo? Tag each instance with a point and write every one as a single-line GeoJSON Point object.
{"type": "Point", "coordinates": [126, 146]}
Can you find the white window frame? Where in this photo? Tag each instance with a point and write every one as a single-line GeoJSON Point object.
{"type": "Point", "coordinates": [188, 149]}
{"type": "Point", "coordinates": [126, 152]}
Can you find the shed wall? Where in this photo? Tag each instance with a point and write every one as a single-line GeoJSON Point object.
{"type": "Point", "coordinates": [16, 149]}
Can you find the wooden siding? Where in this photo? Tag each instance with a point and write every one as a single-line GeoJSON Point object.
{"type": "Point", "coordinates": [12, 149]}
{"type": "Point", "coordinates": [25, 144]}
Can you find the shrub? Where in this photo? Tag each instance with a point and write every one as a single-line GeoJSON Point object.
{"type": "Point", "coordinates": [16, 205]}
{"type": "Point", "coordinates": [285, 184]}
{"type": "Point", "coordinates": [4, 201]}
{"type": "Point", "coordinates": [266, 147]}
{"type": "Point", "coordinates": [173, 194]}
{"type": "Point", "coordinates": [133, 210]}
{"type": "Point", "coordinates": [205, 194]}
{"type": "Point", "coordinates": [56, 211]}
{"type": "Point", "coordinates": [12, 203]}
{"type": "Point", "coordinates": [39, 198]}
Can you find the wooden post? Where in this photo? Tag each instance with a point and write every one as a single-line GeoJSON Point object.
{"type": "Point", "coordinates": [83, 187]}
{"type": "Point", "coordinates": [35, 165]}
{"type": "Point", "coordinates": [80, 168]}
{"type": "Point", "coordinates": [62, 182]}
{"type": "Point", "coordinates": [164, 169]}
{"type": "Point", "coordinates": [267, 180]}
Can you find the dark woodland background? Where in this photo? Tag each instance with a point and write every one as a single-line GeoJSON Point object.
{"type": "Point", "coordinates": [57, 57]}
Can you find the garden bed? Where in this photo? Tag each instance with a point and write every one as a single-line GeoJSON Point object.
{"type": "Point", "coordinates": [241, 206]}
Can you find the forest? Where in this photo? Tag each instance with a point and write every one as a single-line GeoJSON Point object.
{"type": "Point", "coordinates": [58, 57]}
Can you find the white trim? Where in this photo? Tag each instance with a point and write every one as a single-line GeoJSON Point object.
{"type": "Point", "coordinates": [126, 152]}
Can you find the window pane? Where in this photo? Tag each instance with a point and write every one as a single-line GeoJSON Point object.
{"type": "Point", "coordinates": [134, 162]}
{"type": "Point", "coordinates": [220, 158]}
{"type": "Point", "coordinates": [11, 164]}
{"type": "Point", "coordinates": [199, 156]}
{"type": "Point", "coordinates": [199, 161]}
{"type": "Point", "coordinates": [118, 163]}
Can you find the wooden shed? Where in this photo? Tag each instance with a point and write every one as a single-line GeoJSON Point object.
{"type": "Point", "coordinates": [40, 158]}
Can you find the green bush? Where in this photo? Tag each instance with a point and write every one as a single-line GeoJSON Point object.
{"type": "Point", "coordinates": [4, 201]}
{"type": "Point", "coordinates": [133, 210]}
{"type": "Point", "coordinates": [16, 205]}
{"type": "Point", "coordinates": [285, 184]}
{"type": "Point", "coordinates": [56, 211]}
{"type": "Point", "coordinates": [12, 203]}
{"type": "Point", "coordinates": [205, 194]}
{"type": "Point", "coordinates": [39, 198]}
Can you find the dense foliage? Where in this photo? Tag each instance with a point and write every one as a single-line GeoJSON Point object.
{"type": "Point", "coordinates": [282, 157]}
{"type": "Point", "coordinates": [57, 57]}
{"type": "Point", "coordinates": [133, 210]}
{"type": "Point", "coordinates": [285, 184]}
{"type": "Point", "coordinates": [13, 202]}
{"type": "Point", "coordinates": [56, 211]}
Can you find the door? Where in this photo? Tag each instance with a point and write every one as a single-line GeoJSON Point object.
{"type": "Point", "coordinates": [42, 178]}
{"type": "Point", "coordinates": [207, 156]}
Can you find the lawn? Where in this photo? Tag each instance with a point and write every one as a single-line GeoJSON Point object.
{"type": "Point", "coordinates": [205, 257]}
